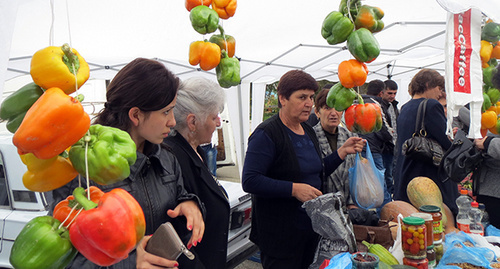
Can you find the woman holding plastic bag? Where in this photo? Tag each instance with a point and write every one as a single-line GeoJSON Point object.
{"type": "Point", "coordinates": [283, 168]}
{"type": "Point", "coordinates": [426, 84]}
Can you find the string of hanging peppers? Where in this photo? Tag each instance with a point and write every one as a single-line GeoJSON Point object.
{"type": "Point", "coordinates": [218, 52]}
{"type": "Point", "coordinates": [355, 24]}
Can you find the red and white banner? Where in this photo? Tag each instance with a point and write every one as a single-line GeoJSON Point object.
{"type": "Point", "coordinates": [463, 72]}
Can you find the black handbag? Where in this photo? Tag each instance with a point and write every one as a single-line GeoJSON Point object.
{"type": "Point", "coordinates": [460, 159]}
{"type": "Point", "coordinates": [419, 146]}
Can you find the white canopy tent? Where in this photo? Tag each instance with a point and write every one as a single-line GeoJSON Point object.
{"type": "Point", "coordinates": [272, 37]}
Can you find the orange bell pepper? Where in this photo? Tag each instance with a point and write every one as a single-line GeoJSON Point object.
{"type": "Point", "coordinates": [47, 175]}
{"type": "Point", "coordinates": [106, 232]}
{"type": "Point", "coordinates": [57, 67]}
{"type": "Point", "coordinates": [206, 54]}
{"type": "Point", "coordinates": [352, 73]}
{"type": "Point", "coordinates": [495, 53]}
{"type": "Point", "coordinates": [225, 8]}
{"type": "Point", "coordinates": [64, 207]}
{"type": "Point", "coordinates": [488, 119]}
{"type": "Point", "coordinates": [190, 4]}
{"type": "Point", "coordinates": [54, 122]}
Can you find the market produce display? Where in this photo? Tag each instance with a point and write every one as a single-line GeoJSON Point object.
{"type": "Point", "coordinates": [355, 24]}
{"type": "Point", "coordinates": [56, 142]}
{"type": "Point", "coordinates": [490, 53]}
{"type": "Point", "coordinates": [217, 52]}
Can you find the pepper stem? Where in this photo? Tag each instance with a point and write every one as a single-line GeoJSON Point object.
{"type": "Point", "coordinates": [70, 59]}
{"type": "Point", "coordinates": [79, 194]}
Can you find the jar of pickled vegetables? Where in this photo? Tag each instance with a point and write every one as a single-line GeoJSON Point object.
{"type": "Point", "coordinates": [438, 248]}
{"type": "Point", "coordinates": [428, 226]}
{"type": "Point", "coordinates": [417, 263]}
{"type": "Point", "coordinates": [413, 234]}
{"type": "Point", "coordinates": [431, 256]}
{"type": "Point", "coordinates": [437, 217]}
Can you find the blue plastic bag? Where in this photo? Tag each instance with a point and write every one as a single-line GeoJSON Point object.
{"type": "Point", "coordinates": [340, 261]}
{"type": "Point", "coordinates": [366, 182]}
{"type": "Point", "coordinates": [460, 253]}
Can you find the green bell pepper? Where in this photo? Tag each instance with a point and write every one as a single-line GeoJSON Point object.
{"type": "Point", "coordinates": [491, 32]}
{"type": "Point", "coordinates": [370, 18]}
{"type": "Point", "coordinates": [339, 97]}
{"type": "Point", "coordinates": [204, 19]}
{"type": "Point", "coordinates": [15, 106]}
{"type": "Point", "coordinates": [486, 102]}
{"type": "Point", "coordinates": [111, 152]}
{"type": "Point", "coordinates": [228, 71]}
{"type": "Point", "coordinates": [363, 45]}
{"type": "Point", "coordinates": [42, 243]}
{"type": "Point", "coordinates": [488, 73]}
{"type": "Point", "coordinates": [352, 9]}
{"type": "Point", "coordinates": [336, 28]}
{"type": "Point", "coordinates": [494, 95]}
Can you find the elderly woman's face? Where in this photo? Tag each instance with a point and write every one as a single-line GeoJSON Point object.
{"type": "Point", "coordinates": [299, 105]}
{"type": "Point", "coordinates": [329, 118]}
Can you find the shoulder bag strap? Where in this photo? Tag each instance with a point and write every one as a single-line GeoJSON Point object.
{"type": "Point", "coordinates": [419, 124]}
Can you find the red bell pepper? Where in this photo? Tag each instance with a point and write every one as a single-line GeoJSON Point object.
{"type": "Point", "coordinates": [106, 232]}
{"type": "Point", "coordinates": [363, 118]}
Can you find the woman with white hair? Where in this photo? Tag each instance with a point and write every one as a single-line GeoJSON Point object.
{"type": "Point", "coordinates": [199, 102]}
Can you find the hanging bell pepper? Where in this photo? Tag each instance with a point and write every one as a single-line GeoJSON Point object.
{"type": "Point", "coordinates": [15, 106]}
{"type": "Point", "coordinates": [351, 9]}
{"type": "Point", "coordinates": [486, 102]}
{"type": "Point", "coordinates": [340, 97]}
{"type": "Point", "coordinates": [228, 71]}
{"type": "Point", "coordinates": [494, 95]}
{"type": "Point", "coordinates": [363, 118]}
{"type": "Point", "coordinates": [66, 210]}
{"type": "Point", "coordinates": [336, 28]}
{"type": "Point", "coordinates": [54, 123]}
{"type": "Point", "coordinates": [363, 45]}
{"type": "Point", "coordinates": [206, 54]}
{"type": "Point", "coordinates": [352, 73]}
{"type": "Point", "coordinates": [110, 153]}
{"type": "Point", "coordinates": [57, 67]}
{"type": "Point", "coordinates": [190, 4]}
{"type": "Point", "coordinates": [491, 32]}
{"type": "Point", "coordinates": [488, 119]}
{"type": "Point", "coordinates": [485, 52]}
{"type": "Point", "coordinates": [46, 175]}
{"type": "Point", "coordinates": [225, 8]}
{"type": "Point", "coordinates": [495, 53]}
{"type": "Point", "coordinates": [106, 232]}
{"type": "Point", "coordinates": [225, 42]}
{"type": "Point", "coordinates": [488, 73]}
{"type": "Point", "coordinates": [370, 18]}
{"type": "Point", "coordinates": [204, 19]}
{"type": "Point", "coordinates": [42, 243]}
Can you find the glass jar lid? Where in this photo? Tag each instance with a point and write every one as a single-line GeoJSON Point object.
{"type": "Point", "coordinates": [413, 220]}
{"type": "Point", "coordinates": [430, 208]}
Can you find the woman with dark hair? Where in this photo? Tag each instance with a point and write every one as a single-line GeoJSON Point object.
{"type": "Point", "coordinates": [283, 168]}
{"type": "Point", "coordinates": [199, 102]}
{"type": "Point", "coordinates": [140, 101]}
{"type": "Point", "coordinates": [426, 84]}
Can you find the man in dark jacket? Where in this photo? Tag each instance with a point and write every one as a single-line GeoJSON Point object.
{"type": "Point", "coordinates": [378, 140]}
{"type": "Point", "coordinates": [391, 111]}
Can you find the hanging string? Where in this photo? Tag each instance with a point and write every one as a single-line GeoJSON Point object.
{"type": "Point", "coordinates": [69, 27]}
{"type": "Point", "coordinates": [87, 140]}
{"type": "Point", "coordinates": [51, 32]}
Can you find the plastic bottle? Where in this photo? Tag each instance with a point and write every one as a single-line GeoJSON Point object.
{"type": "Point", "coordinates": [475, 215]}
{"type": "Point", "coordinates": [463, 204]}
{"type": "Point", "coordinates": [485, 220]}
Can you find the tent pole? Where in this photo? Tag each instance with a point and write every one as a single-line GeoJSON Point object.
{"type": "Point", "coordinates": [242, 136]}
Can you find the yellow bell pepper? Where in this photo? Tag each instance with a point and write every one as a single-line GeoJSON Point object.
{"type": "Point", "coordinates": [57, 66]}
{"type": "Point", "coordinates": [225, 8]}
{"type": "Point", "coordinates": [206, 54]}
{"type": "Point", "coordinates": [47, 174]}
{"type": "Point", "coordinates": [485, 52]}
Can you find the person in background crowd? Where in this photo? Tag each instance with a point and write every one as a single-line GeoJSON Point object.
{"type": "Point", "coordinates": [426, 84]}
{"type": "Point", "coordinates": [442, 101]}
{"type": "Point", "coordinates": [283, 168]}
{"type": "Point", "coordinates": [211, 152]}
{"type": "Point", "coordinates": [199, 102]}
{"type": "Point", "coordinates": [330, 137]}
{"type": "Point", "coordinates": [391, 111]}
{"type": "Point", "coordinates": [140, 100]}
{"type": "Point", "coordinates": [485, 183]}
{"type": "Point", "coordinates": [378, 140]}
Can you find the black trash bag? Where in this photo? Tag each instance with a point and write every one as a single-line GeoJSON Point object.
{"type": "Point", "coordinates": [333, 226]}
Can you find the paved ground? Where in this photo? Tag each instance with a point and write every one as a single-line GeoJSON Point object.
{"type": "Point", "coordinates": [230, 173]}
